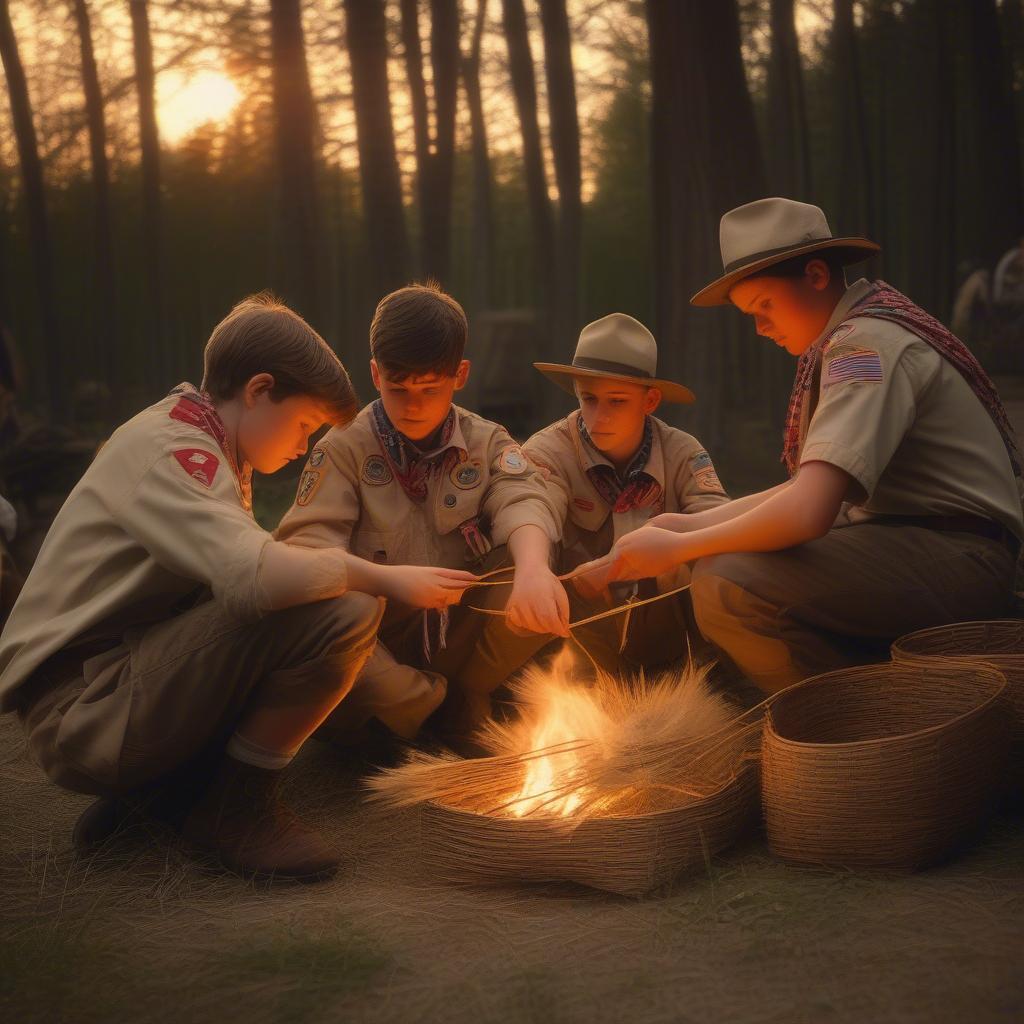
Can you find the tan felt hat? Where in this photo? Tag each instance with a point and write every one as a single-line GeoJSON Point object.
{"type": "Point", "coordinates": [620, 348]}
{"type": "Point", "coordinates": [770, 231]}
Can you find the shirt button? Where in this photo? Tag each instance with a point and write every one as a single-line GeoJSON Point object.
{"type": "Point", "coordinates": [449, 500]}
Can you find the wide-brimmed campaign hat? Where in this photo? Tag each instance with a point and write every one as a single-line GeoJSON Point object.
{"type": "Point", "coordinates": [620, 348]}
{"type": "Point", "coordinates": [770, 231]}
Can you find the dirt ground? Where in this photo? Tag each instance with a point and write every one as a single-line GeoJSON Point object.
{"type": "Point", "coordinates": [141, 931]}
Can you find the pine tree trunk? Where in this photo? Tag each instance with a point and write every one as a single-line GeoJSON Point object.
{"type": "Point", "coordinates": [789, 161]}
{"type": "Point", "coordinates": [35, 202]}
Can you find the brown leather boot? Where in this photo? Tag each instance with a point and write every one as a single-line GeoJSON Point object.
{"type": "Point", "coordinates": [242, 819]}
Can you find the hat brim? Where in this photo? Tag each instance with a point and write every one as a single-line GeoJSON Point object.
{"type": "Point", "coordinates": [563, 376]}
{"type": "Point", "coordinates": [852, 250]}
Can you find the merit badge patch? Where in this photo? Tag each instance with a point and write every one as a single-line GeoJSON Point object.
{"type": "Point", "coordinates": [512, 460]}
{"type": "Point", "coordinates": [308, 484]}
{"type": "Point", "coordinates": [707, 480]}
{"type": "Point", "coordinates": [316, 458]}
{"type": "Point", "coordinates": [466, 475]}
{"type": "Point", "coordinates": [199, 465]}
{"type": "Point", "coordinates": [853, 366]}
{"type": "Point", "coordinates": [376, 471]}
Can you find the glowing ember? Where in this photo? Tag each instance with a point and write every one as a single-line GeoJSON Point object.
{"type": "Point", "coordinates": [562, 712]}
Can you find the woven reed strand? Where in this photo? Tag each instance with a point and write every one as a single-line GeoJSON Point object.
{"type": "Point", "coordinates": [888, 766]}
{"type": "Point", "coordinates": [999, 642]}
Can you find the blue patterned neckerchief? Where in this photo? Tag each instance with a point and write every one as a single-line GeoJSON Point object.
{"type": "Point", "coordinates": [411, 464]}
{"type": "Point", "coordinates": [636, 488]}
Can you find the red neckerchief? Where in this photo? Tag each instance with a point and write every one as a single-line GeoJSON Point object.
{"type": "Point", "coordinates": [412, 465]}
{"type": "Point", "coordinates": [196, 408]}
{"type": "Point", "coordinates": [886, 303]}
{"type": "Point", "coordinates": [636, 488]}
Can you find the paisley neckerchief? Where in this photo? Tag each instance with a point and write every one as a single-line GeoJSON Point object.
{"type": "Point", "coordinates": [636, 488]}
{"type": "Point", "coordinates": [412, 464]}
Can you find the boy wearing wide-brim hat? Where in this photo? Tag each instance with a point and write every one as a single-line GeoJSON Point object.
{"type": "Point", "coordinates": [903, 506]}
{"type": "Point", "coordinates": [612, 466]}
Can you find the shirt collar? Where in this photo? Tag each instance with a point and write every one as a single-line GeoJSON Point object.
{"type": "Point", "coordinates": [590, 457]}
{"type": "Point", "coordinates": [855, 293]}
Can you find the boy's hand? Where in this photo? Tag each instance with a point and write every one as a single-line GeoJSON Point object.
{"type": "Point", "coordinates": [639, 555]}
{"type": "Point", "coordinates": [424, 586]}
{"type": "Point", "coordinates": [591, 585]}
{"type": "Point", "coordinates": [538, 603]}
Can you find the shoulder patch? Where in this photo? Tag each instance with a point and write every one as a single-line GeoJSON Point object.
{"type": "Point", "coordinates": [852, 366]}
{"type": "Point", "coordinates": [309, 482]}
{"type": "Point", "coordinates": [701, 461]}
{"type": "Point", "coordinates": [376, 472]}
{"type": "Point", "coordinates": [707, 480]}
{"type": "Point", "coordinates": [512, 460]}
{"type": "Point", "coordinates": [199, 464]}
{"type": "Point", "coordinates": [841, 333]}
{"type": "Point", "coordinates": [316, 458]}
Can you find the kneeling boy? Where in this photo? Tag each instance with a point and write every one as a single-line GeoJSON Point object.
{"type": "Point", "coordinates": [131, 680]}
{"type": "Point", "coordinates": [613, 467]}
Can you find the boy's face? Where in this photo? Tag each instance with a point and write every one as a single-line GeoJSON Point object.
{"type": "Point", "coordinates": [418, 405]}
{"type": "Point", "coordinates": [792, 312]}
{"type": "Point", "coordinates": [614, 412]}
{"type": "Point", "coordinates": [271, 434]}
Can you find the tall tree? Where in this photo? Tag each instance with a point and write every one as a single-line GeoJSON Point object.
{"type": "Point", "coordinates": [387, 238]}
{"type": "Point", "coordinates": [524, 89]}
{"type": "Point", "coordinates": [483, 199]}
{"type": "Point", "coordinates": [787, 152]}
{"type": "Point", "coordinates": [295, 134]}
{"type": "Point", "coordinates": [104, 348]}
{"type": "Point", "coordinates": [852, 169]}
{"type": "Point", "coordinates": [565, 148]}
{"type": "Point", "coordinates": [152, 234]}
{"type": "Point", "coordinates": [705, 160]}
{"type": "Point", "coordinates": [35, 200]}
{"type": "Point", "coordinates": [435, 150]}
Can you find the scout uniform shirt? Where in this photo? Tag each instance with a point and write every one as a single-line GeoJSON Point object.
{"type": "Point", "coordinates": [475, 496]}
{"type": "Point", "coordinates": [160, 515]}
{"type": "Point", "coordinates": [905, 424]}
{"type": "Point", "coordinates": [681, 470]}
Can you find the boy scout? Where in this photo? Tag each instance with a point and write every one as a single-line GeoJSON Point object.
{"type": "Point", "coordinates": [902, 511]}
{"type": "Point", "coordinates": [417, 479]}
{"type": "Point", "coordinates": [612, 466]}
{"type": "Point", "coordinates": [131, 680]}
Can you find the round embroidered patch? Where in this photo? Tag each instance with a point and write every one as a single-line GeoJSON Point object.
{"type": "Point", "coordinates": [842, 332]}
{"type": "Point", "coordinates": [512, 460]}
{"type": "Point", "coordinates": [376, 471]}
{"type": "Point", "coordinates": [465, 475]}
{"type": "Point", "coordinates": [309, 482]}
{"type": "Point", "coordinates": [316, 457]}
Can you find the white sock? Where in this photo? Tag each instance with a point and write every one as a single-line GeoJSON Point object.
{"type": "Point", "coordinates": [248, 752]}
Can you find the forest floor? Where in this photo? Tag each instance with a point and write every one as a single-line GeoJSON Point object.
{"type": "Point", "coordinates": [140, 931]}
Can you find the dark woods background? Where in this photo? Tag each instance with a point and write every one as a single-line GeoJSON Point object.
{"type": "Point", "coordinates": [548, 161]}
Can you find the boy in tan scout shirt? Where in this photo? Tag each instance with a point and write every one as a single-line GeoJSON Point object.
{"type": "Point", "coordinates": [417, 479]}
{"type": "Point", "coordinates": [164, 645]}
{"type": "Point", "coordinates": [903, 509]}
{"type": "Point", "coordinates": [613, 466]}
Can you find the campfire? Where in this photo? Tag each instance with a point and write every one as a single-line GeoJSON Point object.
{"type": "Point", "coordinates": [618, 784]}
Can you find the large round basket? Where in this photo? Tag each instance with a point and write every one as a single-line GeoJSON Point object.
{"type": "Point", "coordinates": [999, 642]}
{"type": "Point", "coordinates": [884, 766]}
{"type": "Point", "coordinates": [628, 854]}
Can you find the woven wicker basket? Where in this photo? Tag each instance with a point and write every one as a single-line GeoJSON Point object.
{"type": "Point", "coordinates": [883, 765]}
{"type": "Point", "coordinates": [999, 642]}
{"type": "Point", "coordinates": [627, 854]}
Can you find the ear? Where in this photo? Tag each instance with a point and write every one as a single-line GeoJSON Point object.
{"type": "Point", "coordinates": [652, 400]}
{"type": "Point", "coordinates": [257, 387]}
{"type": "Point", "coordinates": [462, 375]}
{"type": "Point", "coordinates": [375, 373]}
{"type": "Point", "coordinates": [817, 275]}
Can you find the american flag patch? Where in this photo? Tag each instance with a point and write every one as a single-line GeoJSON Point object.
{"type": "Point", "coordinates": [858, 365]}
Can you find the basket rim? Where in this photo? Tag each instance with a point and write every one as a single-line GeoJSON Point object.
{"type": "Point", "coordinates": [745, 775]}
{"type": "Point", "coordinates": [879, 741]}
{"type": "Point", "coordinates": [934, 630]}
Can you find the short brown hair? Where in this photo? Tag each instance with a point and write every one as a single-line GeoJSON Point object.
{"type": "Point", "coordinates": [417, 330]}
{"type": "Point", "coordinates": [262, 335]}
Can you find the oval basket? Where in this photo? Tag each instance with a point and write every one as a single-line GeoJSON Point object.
{"type": "Point", "coordinates": [629, 854]}
{"type": "Point", "coordinates": [885, 766]}
{"type": "Point", "coordinates": [999, 642]}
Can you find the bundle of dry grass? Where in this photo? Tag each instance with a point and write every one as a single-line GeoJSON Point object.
{"type": "Point", "coordinates": [618, 785]}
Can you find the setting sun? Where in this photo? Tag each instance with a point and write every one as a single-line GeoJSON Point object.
{"type": "Point", "coordinates": [186, 102]}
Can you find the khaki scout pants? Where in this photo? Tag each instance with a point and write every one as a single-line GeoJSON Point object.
{"type": "Point", "coordinates": [172, 691]}
{"type": "Point", "coordinates": [785, 615]}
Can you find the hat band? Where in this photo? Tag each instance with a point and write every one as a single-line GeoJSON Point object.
{"type": "Point", "coordinates": [607, 366]}
{"type": "Point", "coordinates": [754, 257]}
